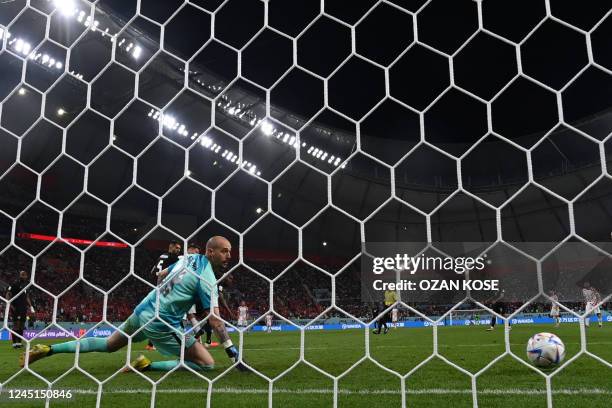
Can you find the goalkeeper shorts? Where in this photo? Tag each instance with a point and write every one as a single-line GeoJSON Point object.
{"type": "Point", "coordinates": [168, 341]}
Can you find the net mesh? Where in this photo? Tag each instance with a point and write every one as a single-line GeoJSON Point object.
{"type": "Point", "coordinates": [64, 71]}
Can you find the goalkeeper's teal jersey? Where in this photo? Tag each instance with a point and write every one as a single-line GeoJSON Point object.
{"type": "Point", "coordinates": [189, 280]}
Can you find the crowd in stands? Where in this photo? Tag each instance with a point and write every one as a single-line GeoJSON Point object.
{"type": "Point", "coordinates": [298, 294]}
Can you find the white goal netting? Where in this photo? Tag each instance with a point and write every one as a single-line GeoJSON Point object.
{"type": "Point", "coordinates": [303, 129]}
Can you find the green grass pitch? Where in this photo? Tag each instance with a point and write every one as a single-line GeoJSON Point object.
{"type": "Point", "coordinates": [508, 383]}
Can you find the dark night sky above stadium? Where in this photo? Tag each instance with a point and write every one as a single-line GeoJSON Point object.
{"type": "Point", "coordinates": [485, 71]}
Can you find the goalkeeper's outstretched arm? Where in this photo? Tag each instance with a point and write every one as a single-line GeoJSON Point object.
{"type": "Point", "coordinates": [219, 327]}
{"type": "Point", "coordinates": [221, 331]}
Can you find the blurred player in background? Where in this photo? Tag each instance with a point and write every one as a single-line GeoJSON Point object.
{"type": "Point", "coordinates": [163, 262]}
{"type": "Point", "coordinates": [243, 310]}
{"type": "Point", "coordinates": [207, 328]}
{"type": "Point", "coordinates": [189, 279]}
{"type": "Point", "coordinates": [20, 305]}
{"type": "Point", "coordinates": [394, 313]}
{"type": "Point", "coordinates": [269, 323]}
{"type": "Point", "coordinates": [554, 308]}
{"type": "Point", "coordinates": [592, 299]}
{"type": "Point", "coordinates": [390, 299]}
{"type": "Point", "coordinates": [497, 305]}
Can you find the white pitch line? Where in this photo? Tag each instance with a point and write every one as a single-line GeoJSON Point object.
{"type": "Point", "coordinates": [438, 391]}
{"type": "Point", "coordinates": [405, 346]}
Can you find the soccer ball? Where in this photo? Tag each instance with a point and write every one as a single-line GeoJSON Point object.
{"type": "Point", "coordinates": [545, 350]}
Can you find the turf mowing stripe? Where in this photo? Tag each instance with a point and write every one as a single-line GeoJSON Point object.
{"type": "Point", "coordinates": [439, 391]}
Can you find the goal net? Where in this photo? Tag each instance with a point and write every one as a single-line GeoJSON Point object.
{"type": "Point", "coordinates": [300, 130]}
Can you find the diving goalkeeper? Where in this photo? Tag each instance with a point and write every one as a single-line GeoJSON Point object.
{"type": "Point", "coordinates": [189, 279]}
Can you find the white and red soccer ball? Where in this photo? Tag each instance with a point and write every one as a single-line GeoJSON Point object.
{"type": "Point", "coordinates": [545, 350]}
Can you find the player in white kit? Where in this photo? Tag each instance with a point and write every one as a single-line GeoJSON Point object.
{"type": "Point", "coordinates": [394, 313]}
{"type": "Point", "coordinates": [269, 323]}
{"type": "Point", "coordinates": [592, 299]}
{"type": "Point", "coordinates": [554, 308]}
{"type": "Point", "coordinates": [242, 314]}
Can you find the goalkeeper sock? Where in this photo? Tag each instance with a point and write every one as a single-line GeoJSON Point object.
{"type": "Point", "coordinates": [231, 350]}
{"type": "Point", "coordinates": [87, 346]}
{"type": "Point", "coordinates": [170, 364]}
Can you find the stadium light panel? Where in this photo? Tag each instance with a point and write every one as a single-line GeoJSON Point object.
{"type": "Point", "coordinates": [206, 141]}
{"type": "Point", "coordinates": [22, 91]}
{"type": "Point", "coordinates": [168, 120]}
{"type": "Point", "coordinates": [66, 7]}
{"type": "Point", "coordinates": [26, 48]}
{"type": "Point", "coordinates": [137, 52]}
{"type": "Point", "coordinates": [61, 112]}
{"type": "Point", "coordinates": [267, 128]}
